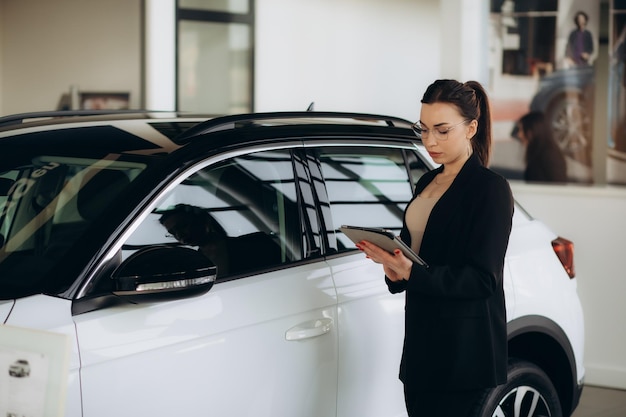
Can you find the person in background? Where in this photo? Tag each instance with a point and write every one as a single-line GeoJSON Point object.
{"type": "Point", "coordinates": [459, 222]}
{"type": "Point", "coordinates": [544, 159]}
{"type": "Point", "coordinates": [579, 43]}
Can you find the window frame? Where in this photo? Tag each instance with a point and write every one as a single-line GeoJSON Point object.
{"type": "Point", "coordinates": [214, 16]}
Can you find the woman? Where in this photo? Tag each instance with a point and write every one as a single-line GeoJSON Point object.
{"type": "Point", "coordinates": [459, 222]}
{"type": "Point", "coordinates": [544, 160]}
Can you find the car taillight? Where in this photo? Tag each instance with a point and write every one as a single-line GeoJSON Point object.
{"type": "Point", "coordinates": [564, 250]}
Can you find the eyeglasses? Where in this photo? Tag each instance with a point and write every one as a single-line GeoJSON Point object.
{"type": "Point", "coordinates": [439, 133]}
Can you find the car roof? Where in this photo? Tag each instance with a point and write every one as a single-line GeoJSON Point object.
{"type": "Point", "coordinates": [286, 119]}
{"type": "Point", "coordinates": [183, 129]}
{"type": "Point", "coordinates": [61, 119]}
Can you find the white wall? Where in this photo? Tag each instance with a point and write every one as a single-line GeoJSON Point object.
{"type": "Point", "coordinates": [47, 46]}
{"type": "Point", "coordinates": [364, 55]}
{"type": "Point", "coordinates": [354, 55]}
{"type": "Point", "coordinates": [464, 34]}
{"type": "Point", "coordinates": [160, 55]}
{"type": "Point", "coordinates": [594, 218]}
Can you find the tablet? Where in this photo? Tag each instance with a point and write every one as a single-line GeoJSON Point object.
{"type": "Point", "coordinates": [384, 238]}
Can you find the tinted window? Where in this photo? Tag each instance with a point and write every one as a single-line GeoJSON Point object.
{"type": "Point", "coordinates": [368, 187]}
{"type": "Point", "coordinates": [50, 204]}
{"type": "Point", "coordinates": [242, 214]}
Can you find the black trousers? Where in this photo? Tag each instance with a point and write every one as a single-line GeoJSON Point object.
{"type": "Point", "coordinates": [420, 403]}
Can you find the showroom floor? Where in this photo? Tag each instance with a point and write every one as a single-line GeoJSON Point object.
{"type": "Point", "coordinates": [601, 402]}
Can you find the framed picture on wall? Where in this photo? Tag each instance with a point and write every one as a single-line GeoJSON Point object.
{"type": "Point", "coordinates": [541, 60]}
{"type": "Point", "coordinates": [34, 372]}
{"type": "Point", "coordinates": [616, 149]}
{"type": "Point", "coordinates": [104, 100]}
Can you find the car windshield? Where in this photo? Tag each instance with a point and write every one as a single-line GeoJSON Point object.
{"type": "Point", "coordinates": [48, 202]}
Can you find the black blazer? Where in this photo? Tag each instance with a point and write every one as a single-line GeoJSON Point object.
{"type": "Point", "coordinates": [455, 318]}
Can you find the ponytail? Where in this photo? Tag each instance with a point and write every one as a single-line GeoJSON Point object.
{"type": "Point", "coordinates": [481, 142]}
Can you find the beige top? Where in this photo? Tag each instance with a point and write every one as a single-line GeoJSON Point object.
{"type": "Point", "coordinates": [417, 214]}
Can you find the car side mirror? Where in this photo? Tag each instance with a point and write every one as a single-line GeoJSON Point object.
{"type": "Point", "coordinates": [161, 273]}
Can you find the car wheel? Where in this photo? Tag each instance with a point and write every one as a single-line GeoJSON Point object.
{"type": "Point", "coordinates": [528, 393]}
{"type": "Point", "coordinates": [570, 119]}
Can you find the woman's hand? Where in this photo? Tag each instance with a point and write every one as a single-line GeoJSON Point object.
{"type": "Point", "coordinates": [396, 266]}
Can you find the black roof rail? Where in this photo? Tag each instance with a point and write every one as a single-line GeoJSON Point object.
{"type": "Point", "coordinates": [229, 122]}
{"type": "Point", "coordinates": [22, 117]}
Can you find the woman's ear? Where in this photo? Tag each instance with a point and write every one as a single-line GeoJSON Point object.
{"type": "Point", "coordinates": [472, 128]}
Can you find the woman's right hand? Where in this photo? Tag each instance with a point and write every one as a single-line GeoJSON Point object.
{"type": "Point", "coordinates": [396, 266]}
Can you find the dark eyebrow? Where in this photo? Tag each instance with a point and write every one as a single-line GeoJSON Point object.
{"type": "Point", "coordinates": [437, 125]}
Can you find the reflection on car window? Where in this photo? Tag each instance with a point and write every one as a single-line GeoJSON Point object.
{"type": "Point", "coordinates": [47, 205]}
{"type": "Point", "coordinates": [242, 214]}
{"type": "Point", "coordinates": [368, 187]}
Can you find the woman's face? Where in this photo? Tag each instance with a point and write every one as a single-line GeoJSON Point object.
{"type": "Point", "coordinates": [453, 146]}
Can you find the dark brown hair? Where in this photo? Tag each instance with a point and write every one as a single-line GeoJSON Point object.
{"type": "Point", "coordinates": [583, 14]}
{"type": "Point", "coordinates": [195, 212]}
{"type": "Point", "coordinates": [472, 103]}
{"type": "Point", "coordinates": [534, 126]}
{"type": "Point", "coordinates": [537, 131]}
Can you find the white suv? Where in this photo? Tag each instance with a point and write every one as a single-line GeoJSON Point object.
{"type": "Point", "coordinates": [285, 317]}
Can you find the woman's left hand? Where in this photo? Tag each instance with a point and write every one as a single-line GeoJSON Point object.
{"type": "Point", "coordinates": [396, 266]}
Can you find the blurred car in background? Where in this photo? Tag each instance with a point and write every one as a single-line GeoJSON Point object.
{"type": "Point", "coordinates": [566, 98]}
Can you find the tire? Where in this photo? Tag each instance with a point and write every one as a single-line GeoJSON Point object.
{"type": "Point", "coordinates": [527, 393]}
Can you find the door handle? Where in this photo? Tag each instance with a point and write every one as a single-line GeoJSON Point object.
{"type": "Point", "coordinates": [309, 329]}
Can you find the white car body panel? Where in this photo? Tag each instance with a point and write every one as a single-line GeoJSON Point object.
{"type": "Point", "coordinates": [537, 276]}
{"type": "Point", "coordinates": [371, 333]}
{"type": "Point", "coordinates": [217, 347]}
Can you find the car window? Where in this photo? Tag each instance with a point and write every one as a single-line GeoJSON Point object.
{"type": "Point", "coordinates": [49, 203]}
{"type": "Point", "coordinates": [241, 213]}
{"type": "Point", "coordinates": [368, 186]}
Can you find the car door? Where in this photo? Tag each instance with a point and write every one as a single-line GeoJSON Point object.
{"type": "Point", "coordinates": [366, 186]}
{"type": "Point", "coordinates": [261, 342]}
